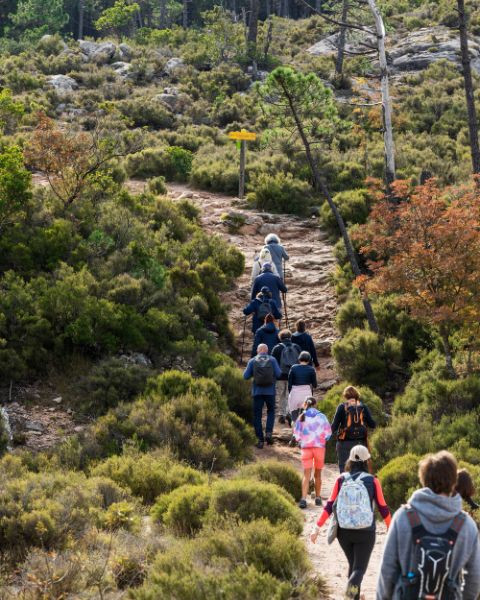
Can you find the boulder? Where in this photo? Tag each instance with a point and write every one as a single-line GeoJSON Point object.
{"type": "Point", "coordinates": [122, 69]}
{"type": "Point", "coordinates": [62, 84]}
{"type": "Point", "coordinates": [125, 53]}
{"type": "Point", "coordinates": [34, 426]}
{"type": "Point", "coordinates": [168, 97]}
{"type": "Point", "coordinates": [173, 64]}
{"type": "Point", "coordinates": [100, 53]}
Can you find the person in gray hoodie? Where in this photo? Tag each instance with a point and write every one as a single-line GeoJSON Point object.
{"type": "Point", "coordinates": [437, 509]}
{"type": "Point", "coordinates": [277, 252]}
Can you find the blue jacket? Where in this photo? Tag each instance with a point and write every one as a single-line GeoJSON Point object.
{"type": "Point", "coordinates": [279, 254]}
{"type": "Point", "coordinates": [253, 307]}
{"type": "Point", "coordinates": [261, 390]}
{"type": "Point", "coordinates": [305, 341]}
{"type": "Point", "coordinates": [266, 334]}
{"type": "Point", "coordinates": [302, 375]}
{"type": "Point", "coordinates": [274, 284]}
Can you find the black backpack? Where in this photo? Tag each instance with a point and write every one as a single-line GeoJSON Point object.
{"type": "Point", "coordinates": [429, 575]}
{"type": "Point", "coordinates": [263, 309]}
{"type": "Point", "coordinates": [355, 428]}
{"type": "Point", "coordinates": [263, 371]}
{"type": "Point", "coordinates": [289, 357]}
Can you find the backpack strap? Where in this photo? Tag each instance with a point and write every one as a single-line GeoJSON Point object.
{"type": "Point", "coordinates": [418, 530]}
{"type": "Point", "coordinates": [456, 527]}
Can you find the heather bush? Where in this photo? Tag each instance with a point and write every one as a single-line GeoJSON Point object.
{"type": "Point", "coordinates": [399, 479]}
{"type": "Point", "coordinates": [273, 471]}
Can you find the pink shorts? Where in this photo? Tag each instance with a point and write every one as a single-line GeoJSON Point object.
{"type": "Point", "coordinates": [311, 456]}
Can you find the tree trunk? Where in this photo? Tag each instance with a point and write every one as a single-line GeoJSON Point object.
{"type": "Point", "coordinates": [252, 35]}
{"type": "Point", "coordinates": [467, 77]}
{"type": "Point", "coordinates": [320, 186]}
{"type": "Point", "coordinates": [448, 352]}
{"type": "Point", "coordinates": [81, 15]}
{"type": "Point", "coordinates": [318, 5]}
{"type": "Point", "coordinates": [186, 20]}
{"type": "Point", "coordinates": [163, 14]}
{"type": "Point", "coordinates": [342, 38]}
{"type": "Point", "coordinates": [268, 40]}
{"type": "Point", "coordinates": [390, 174]}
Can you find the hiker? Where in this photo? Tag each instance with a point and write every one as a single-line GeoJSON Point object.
{"type": "Point", "coordinates": [302, 380]}
{"type": "Point", "coordinates": [277, 251]}
{"type": "Point", "coordinates": [432, 548]}
{"type": "Point", "coordinates": [312, 431]}
{"type": "Point", "coordinates": [260, 307]}
{"type": "Point", "coordinates": [466, 488]}
{"type": "Point", "coordinates": [352, 498]}
{"type": "Point", "coordinates": [264, 370]}
{"type": "Point", "coordinates": [350, 424]}
{"type": "Point", "coordinates": [266, 334]}
{"type": "Point", "coordinates": [287, 355]}
{"type": "Point", "coordinates": [273, 282]}
{"type": "Point", "coordinates": [263, 257]}
{"type": "Point", "coordinates": [305, 341]}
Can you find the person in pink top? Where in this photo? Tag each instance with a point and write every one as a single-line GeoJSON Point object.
{"type": "Point", "coordinates": [312, 431]}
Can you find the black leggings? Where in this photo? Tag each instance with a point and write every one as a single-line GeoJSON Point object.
{"type": "Point", "coordinates": [357, 546]}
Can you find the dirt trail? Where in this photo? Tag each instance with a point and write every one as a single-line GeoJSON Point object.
{"type": "Point", "coordinates": [309, 296]}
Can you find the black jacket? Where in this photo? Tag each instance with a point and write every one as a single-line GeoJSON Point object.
{"type": "Point", "coordinates": [302, 375]}
{"type": "Point", "coordinates": [305, 341]}
{"type": "Point", "coordinates": [340, 418]}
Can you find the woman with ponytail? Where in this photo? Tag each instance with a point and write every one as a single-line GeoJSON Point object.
{"type": "Point", "coordinates": [312, 430]}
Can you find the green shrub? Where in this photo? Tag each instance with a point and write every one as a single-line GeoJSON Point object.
{"type": "Point", "coordinates": [156, 185]}
{"type": "Point", "coordinates": [406, 435]}
{"type": "Point", "coordinates": [146, 112]}
{"type": "Point", "coordinates": [240, 560]}
{"type": "Point", "coordinates": [148, 475]}
{"type": "Point", "coordinates": [184, 510]}
{"type": "Point", "coordinates": [249, 500]}
{"type": "Point", "coordinates": [110, 382]}
{"type": "Point", "coordinates": [399, 478]}
{"type": "Point", "coordinates": [280, 193]}
{"type": "Point", "coordinates": [235, 389]}
{"type": "Point", "coordinates": [363, 358]}
{"type": "Point", "coordinates": [272, 471]}
{"type": "Point", "coordinates": [120, 515]}
{"type": "Point", "coordinates": [354, 206]}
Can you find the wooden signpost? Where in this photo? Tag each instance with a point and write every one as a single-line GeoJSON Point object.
{"type": "Point", "coordinates": [243, 137]}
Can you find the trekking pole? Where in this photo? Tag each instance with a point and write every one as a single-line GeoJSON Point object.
{"type": "Point", "coordinates": [243, 338]}
{"type": "Point", "coordinates": [286, 310]}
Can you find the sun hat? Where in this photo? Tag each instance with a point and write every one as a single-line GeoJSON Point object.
{"type": "Point", "coordinates": [359, 453]}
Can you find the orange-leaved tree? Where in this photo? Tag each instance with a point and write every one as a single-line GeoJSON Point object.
{"type": "Point", "coordinates": [426, 250]}
{"type": "Point", "coordinates": [70, 158]}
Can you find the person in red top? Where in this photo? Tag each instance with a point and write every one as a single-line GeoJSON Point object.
{"type": "Point", "coordinates": [357, 544]}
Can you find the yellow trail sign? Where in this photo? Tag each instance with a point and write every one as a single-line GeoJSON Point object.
{"type": "Point", "coordinates": [245, 136]}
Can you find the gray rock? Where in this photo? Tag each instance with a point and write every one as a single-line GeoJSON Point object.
{"type": "Point", "coordinates": [327, 385]}
{"type": "Point", "coordinates": [34, 426]}
{"type": "Point", "coordinates": [324, 347]}
{"type": "Point", "coordinates": [170, 100]}
{"type": "Point", "coordinates": [62, 84]}
{"type": "Point", "coordinates": [173, 64]}
{"type": "Point", "coordinates": [100, 53]}
{"type": "Point", "coordinates": [122, 69]}
{"type": "Point", "coordinates": [136, 358]}
{"type": "Point", "coordinates": [58, 400]}
{"type": "Point", "coordinates": [125, 52]}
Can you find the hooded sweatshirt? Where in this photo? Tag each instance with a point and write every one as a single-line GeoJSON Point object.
{"type": "Point", "coordinates": [436, 514]}
{"type": "Point", "coordinates": [314, 431]}
{"type": "Point", "coordinates": [266, 334]}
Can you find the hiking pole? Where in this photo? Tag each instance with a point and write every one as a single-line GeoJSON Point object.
{"type": "Point", "coordinates": [286, 310]}
{"type": "Point", "coordinates": [243, 338]}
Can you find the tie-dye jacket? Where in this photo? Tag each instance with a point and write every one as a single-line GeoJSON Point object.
{"type": "Point", "coordinates": [314, 431]}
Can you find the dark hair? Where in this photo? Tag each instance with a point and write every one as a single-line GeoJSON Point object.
{"type": "Point", "coordinates": [465, 486]}
{"type": "Point", "coordinates": [309, 402]}
{"type": "Point", "coordinates": [301, 326]}
{"type": "Point", "coordinates": [285, 334]}
{"type": "Point", "coordinates": [269, 318]}
{"type": "Point", "coordinates": [357, 465]}
{"type": "Point", "coordinates": [351, 393]}
{"type": "Point", "coordinates": [304, 357]}
{"type": "Point", "coordinates": [439, 472]}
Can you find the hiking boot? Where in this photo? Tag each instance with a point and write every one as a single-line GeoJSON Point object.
{"type": "Point", "coordinates": [288, 418]}
{"type": "Point", "coordinates": [259, 445]}
{"type": "Point", "coordinates": [318, 502]}
{"type": "Point", "coordinates": [292, 443]}
{"type": "Point", "coordinates": [281, 420]}
{"type": "Point", "coordinates": [303, 503]}
{"type": "Point", "coordinates": [269, 440]}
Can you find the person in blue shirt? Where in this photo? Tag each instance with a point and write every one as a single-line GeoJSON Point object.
{"type": "Point", "coordinates": [266, 334]}
{"type": "Point", "coordinates": [265, 371]}
{"type": "Point", "coordinates": [260, 307]}
{"type": "Point", "coordinates": [273, 282]}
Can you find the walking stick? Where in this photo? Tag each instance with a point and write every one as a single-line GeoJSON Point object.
{"type": "Point", "coordinates": [243, 338]}
{"type": "Point", "coordinates": [286, 310]}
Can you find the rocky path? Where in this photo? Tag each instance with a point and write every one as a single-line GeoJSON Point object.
{"type": "Point", "coordinates": [310, 296]}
